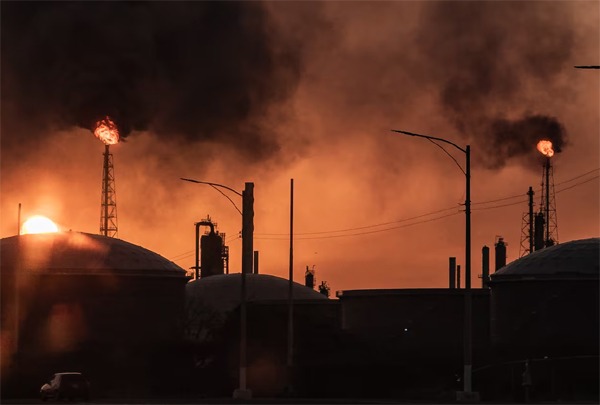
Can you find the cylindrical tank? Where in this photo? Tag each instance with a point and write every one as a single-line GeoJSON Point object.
{"type": "Point", "coordinates": [546, 303]}
{"type": "Point", "coordinates": [211, 257]}
{"type": "Point", "coordinates": [86, 303]}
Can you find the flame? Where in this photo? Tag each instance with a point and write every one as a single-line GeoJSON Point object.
{"type": "Point", "coordinates": [545, 147]}
{"type": "Point", "coordinates": [107, 131]}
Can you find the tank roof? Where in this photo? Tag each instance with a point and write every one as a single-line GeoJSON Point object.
{"type": "Point", "coordinates": [223, 291]}
{"type": "Point", "coordinates": [575, 259]}
{"type": "Point", "coordinates": [78, 252]}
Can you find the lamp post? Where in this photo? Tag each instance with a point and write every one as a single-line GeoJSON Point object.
{"type": "Point", "coordinates": [468, 326]}
{"type": "Point", "coordinates": [242, 392]}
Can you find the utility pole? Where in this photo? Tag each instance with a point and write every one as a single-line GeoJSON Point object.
{"type": "Point", "coordinates": [247, 258]}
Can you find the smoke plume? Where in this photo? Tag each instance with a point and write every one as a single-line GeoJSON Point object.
{"type": "Point", "coordinates": [489, 61]}
{"type": "Point", "coordinates": [186, 71]}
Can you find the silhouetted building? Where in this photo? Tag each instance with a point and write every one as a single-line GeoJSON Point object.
{"type": "Point", "coordinates": [414, 336]}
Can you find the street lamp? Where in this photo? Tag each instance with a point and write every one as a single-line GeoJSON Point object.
{"type": "Point", "coordinates": [247, 257]}
{"type": "Point", "coordinates": [468, 343]}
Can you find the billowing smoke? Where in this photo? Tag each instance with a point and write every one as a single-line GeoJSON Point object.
{"type": "Point", "coordinates": [494, 60]}
{"type": "Point", "coordinates": [182, 70]}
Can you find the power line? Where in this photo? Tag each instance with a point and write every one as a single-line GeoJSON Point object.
{"type": "Point", "coordinates": [305, 235]}
{"type": "Point", "coordinates": [577, 184]}
{"type": "Point", "coordinates": [361, 227]}
{"type": "Point", "coordinates": [577, 177]}
{"type": "Point", "coordinates": [366, 232]}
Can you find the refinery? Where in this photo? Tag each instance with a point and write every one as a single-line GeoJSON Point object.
{"type": "Point", "coordinates": [318, 202]}
{"type": "Point", "coordinates": [138, 325]}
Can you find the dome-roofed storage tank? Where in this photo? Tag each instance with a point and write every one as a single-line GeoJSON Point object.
{"type": "Point", "coordinates": [86, 302]}
{"type": "Point", "coordinates": [546, 303]}
{"type": "Point", "coordinates": [545, 311]}
{"type": "Point", "coordinates": [213, 329]}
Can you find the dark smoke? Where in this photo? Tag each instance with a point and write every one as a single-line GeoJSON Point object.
{"type": "Point", "coordinates": [519, 138]}
{"type": "Point", "coordinates": [490, 60]}
{"type": "Point", "coordinates": [185, 71]}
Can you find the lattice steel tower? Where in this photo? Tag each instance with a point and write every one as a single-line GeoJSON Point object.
{"type": "Point", "coordinates": [108, 205]}
{"type": "Point", "coordinates": [548, 205]}
{"type": "Point", "coordinates": [527, 228]}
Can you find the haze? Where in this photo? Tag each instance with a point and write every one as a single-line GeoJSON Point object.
{"type": "Point", "coordinates": [265, 92]}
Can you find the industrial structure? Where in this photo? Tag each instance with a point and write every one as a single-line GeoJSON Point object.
{"type": "Point", "coordinates": [107, 131]}
{"type": "Point", "coordinates": [85, 302]}
{"type": "Point", "coordinates": [540, 230]}
{"type": "Point", "coordinates": [108, 205]}
{"type": "Point", "coordinates": [548, 205]}
{"type": "Point", "coordinates": [214, 256]}
{"type": "Point", "coordinates": [136, 325]}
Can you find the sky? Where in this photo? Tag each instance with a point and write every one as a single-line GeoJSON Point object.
{"type": "Point", "coordinates": [268, 92]}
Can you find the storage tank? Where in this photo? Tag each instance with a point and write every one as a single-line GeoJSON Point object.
{"type": "Point", "coordinates": [546, 303]}
{"type": "Point", "coordinates": [87, 303]}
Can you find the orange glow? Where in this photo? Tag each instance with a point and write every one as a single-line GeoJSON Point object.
{"type": "Point", "coordinates": [545, 147]}
{"type": "Point", "coordinates": [107, 131]}
{"type": "Point", "coordinates": [38, 224]}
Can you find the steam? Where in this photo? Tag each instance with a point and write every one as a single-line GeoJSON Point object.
{"type": "Point", "coordinates": [486, 60]}
{"type": "Point", "coordinates": [185, 71]}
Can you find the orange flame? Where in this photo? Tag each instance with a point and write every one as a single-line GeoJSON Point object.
{"type": "Point", "coordinates": [107, 131]}
{"type": "Point", "coordinates": [545, 147]}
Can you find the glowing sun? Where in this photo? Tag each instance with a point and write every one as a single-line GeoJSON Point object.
{"type": "Point", "coordinates": [38, 224]}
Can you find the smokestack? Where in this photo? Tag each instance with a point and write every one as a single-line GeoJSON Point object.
{"type": "Point", "coordinates": [500, 253]}
{"type": "Point", "coordinates": [458, 276]}
{"type": "Point", "coordinates": [531, 223]}
{"type": "Point", "coordinates": [256, 262]}
{"type": "Point", "coordinates": [485, 266]}
{"type": "Point", "coordinates": [309, 278]}
{"type": "Point", "coordinates": [452, 272]}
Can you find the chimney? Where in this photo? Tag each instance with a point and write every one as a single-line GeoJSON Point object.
{"type": "Point", "coordinates": [309, 278]}
{"type": "Point", "coordinates": [458, 276]}
{"type": "Point", "coordinates": [452, 272]}
{"type": "Point", "coordinates": [256, 262]}
{"type": "Point", "coordinates": [485, 266]}
{"type": "Point", "coordinates": [500, 253]}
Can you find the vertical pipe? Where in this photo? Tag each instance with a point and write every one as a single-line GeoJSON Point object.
{"type": "Point", "coordinates": [247, 249]}
{"type": "Point", "coordinates": [468, 348]}
{"type": "Point", "coordinates": [485, 266]}
{"type": "Point", "coordinates": [290, 348]}
{"type": "Point", "coordinates": [452, 272]}
{"type": "Point", "coordinates": [547, 202]}
{"type": "Point", "coordinates": [468, 222]}
{"type": "Point", "coordinates": [197, 268]}
{"type": "Point", "coordinates": [256, 262]}
{"type": "Point", "coordinates": [538, 235]}
{"type": "Point", "coordinates": [531, 235]}
{"type": "Point", "coordinates": [19, 220]}
{"type": "Point", "coordinates": [458, 276]}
